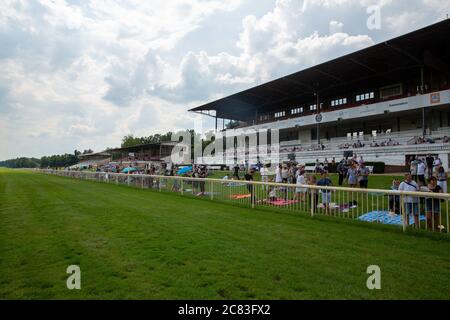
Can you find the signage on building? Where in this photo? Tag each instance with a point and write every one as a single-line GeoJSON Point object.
{"type": "Point", "coordinates": [319, 118]}
{"type": "Point", "coordinates": [435, 98]}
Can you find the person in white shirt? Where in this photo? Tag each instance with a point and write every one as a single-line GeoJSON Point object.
{"type": "Point", "coordinates": [300, 192]}
{"type": "Point", "coordinates": [436, 164]}
{"type": "Point", "coordinates": [278, 178]}
{"type": "Point", "coordinates": [411, 202]}
{"type": "Point", "coordinates": [421, 168]}
{"type": "Point", "coordinates": [264, 171]}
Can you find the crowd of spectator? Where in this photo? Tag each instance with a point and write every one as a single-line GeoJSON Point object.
{"type": "Point", "coordinates": [388, 143]}
{"type": "Point", "coordinates": [421, 140]}
{"type": "Point", "coordinates": [426, 174]}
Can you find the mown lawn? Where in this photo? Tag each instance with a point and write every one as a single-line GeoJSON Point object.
{"type": "Point", "coordinates": [140, 244]}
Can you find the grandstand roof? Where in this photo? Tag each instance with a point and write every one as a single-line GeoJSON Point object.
{"type": "Point", "coordinates": [399, 57]}
{"type": "Point", "coordinates": [144, 146]}
{"type": "Point", "coordinates": [94, 155]}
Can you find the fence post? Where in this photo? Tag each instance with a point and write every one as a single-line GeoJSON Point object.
{"type": "Point", "coordinates": [252, 196]}
{"type": "Point", "coordinates": [403, 211]}
{"type": "Point", "coordinates": [311, 191]}
{"type": "Point", "coordinates": [212, 190]}
{"type": "Point", "coordinates": [182, 186]}
{"type": "Point", "coordinates": [142, 182]}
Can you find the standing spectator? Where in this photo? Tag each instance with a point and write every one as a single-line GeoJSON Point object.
{"type": "Point", "coordinates": [300, 192]}
{"type": "Point", "coordinates": [430, 161]}
{"type": "Point", "coordinates": [264, 172]}
{"type": "Point", "coordinates": [394, 200]}
{"type": "Point", "coordinates": [437, 163]}
{"type": "Point", "coordinates": [317, 168]}
{"type": "Point", "coordinates": [361, 160]}
{"type": "Point", "coordinates": [442, 178]}
{"type": "Point", "coordinates": [325, 165]}
{"type": "Point", "coordinates": [421, 168]}
{"type": "Point", "coordinates": [411, 203]}
{"type": "Point", "coordinates": [278, 178]}
{"type": "Point", "coordinates": [313, 192]}
{"type": "Point", "coordinates": [249, 177]}
{"type": "Point", "coordinates": [352, 175]}
{"type": "Point", "coordinates": [363, 174]}
{"type": "Point", "coordinates": [326, 194]}
{"type": "Point", "coordinates": [284, 174]}
{"type": "Point", "coordinates": [413, 169]}
{"type": "Point", "coordinates": [236, 172]}
{"type": "Point", "coordinates": [284, 179]}
{"type": "Point", "coordinates": [202, 175]}
{"type": "Point", "coordinates": [291, 173]}
{"type": "Point", "coordinates": [341, 172]}
{"type": "Point", "coordinates": [433, 205]}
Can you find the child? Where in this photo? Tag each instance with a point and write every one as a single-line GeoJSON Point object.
{"type": "Point", "coordinates": [272, 193]}
{"type": "Point", "coordinates": [326, 194]}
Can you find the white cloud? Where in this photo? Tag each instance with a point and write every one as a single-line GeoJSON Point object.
{"type": "Point", "coordinates": [82, 75]}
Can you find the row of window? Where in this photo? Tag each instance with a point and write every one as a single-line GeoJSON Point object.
{"type": "Point", "coordinates": [297, 110]}
{"type": "Point", "coordinates": [313, 107]}
{"type": "Point", "coordinates": [365, 96]}
{"type": "Point", "coordinates": [280, 114]}
{"type": "Point", "coordinates": [338, 102]}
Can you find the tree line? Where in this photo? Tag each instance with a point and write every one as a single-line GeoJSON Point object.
{"type": "Point", "coordinates": [54, 161]}
{"type": "Point", "coordinates": [67, 160]}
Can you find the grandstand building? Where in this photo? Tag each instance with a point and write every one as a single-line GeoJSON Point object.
{"type": "Point", "coordinates": [384, 103]}
{"type": "Point", "coordinates": [144, 154]}
{"type": "Point", "coordinates": [139, 156]}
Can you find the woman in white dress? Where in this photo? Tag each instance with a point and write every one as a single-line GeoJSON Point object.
{"type": "Point", "coordinates": [278, 178]}
{"type": "Point", "coordinates": [300, 192]}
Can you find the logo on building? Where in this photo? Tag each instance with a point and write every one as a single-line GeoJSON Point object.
{"type": "Point", "coordinates": [319, 118]}
{"type": "Point", "coordinates": [435, 98]}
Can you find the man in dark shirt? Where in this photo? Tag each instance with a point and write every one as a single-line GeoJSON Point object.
{"type": "Point", "coordinates": [341, 172]}
{"type": "Point", "coordinates": [429, 160]}
{"type": "Point", "coordinates": [236, 172]}
{"type": "Point", "coordinates": [249, 177]}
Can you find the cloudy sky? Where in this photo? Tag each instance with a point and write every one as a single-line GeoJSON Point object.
{"type": "Point", "coordinates": [82, 74]}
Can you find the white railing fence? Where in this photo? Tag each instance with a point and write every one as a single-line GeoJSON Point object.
{"type": "Point", "coordinates": [409, 210]}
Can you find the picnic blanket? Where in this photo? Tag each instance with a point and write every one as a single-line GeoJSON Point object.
{"type": "Point", "coordinates": [236, 184]}
{"type": "Point", "coordinates": [343, 207]}
{"type": "Point", "coordinates": [240, 196]}
{"type": "Point", "coordinates": [385, 218]}
{"type": "Point", "coordinates": [282, 202]}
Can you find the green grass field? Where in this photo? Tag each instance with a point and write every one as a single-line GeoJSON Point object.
{"type": "Point", "coordinates": [140, 244]}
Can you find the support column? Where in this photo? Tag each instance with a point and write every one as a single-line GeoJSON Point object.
{"type": "Point", "coordinates": [424, 129]}
{"type": "Point", "coordinates": [318, 123]}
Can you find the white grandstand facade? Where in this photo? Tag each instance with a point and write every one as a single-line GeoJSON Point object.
{"type": "Point", "coordinates": [384, 103]}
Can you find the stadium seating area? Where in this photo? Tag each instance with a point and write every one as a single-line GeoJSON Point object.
{"type": "Point", "coordinates": [391, 146]}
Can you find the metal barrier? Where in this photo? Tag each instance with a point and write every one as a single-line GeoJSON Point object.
{"type": "Point", "coordinates": [419, 210]}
